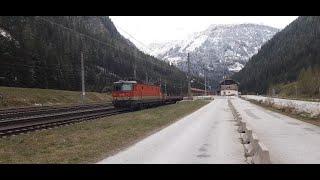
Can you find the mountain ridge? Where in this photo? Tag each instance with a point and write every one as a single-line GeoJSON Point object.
{"type": "Point", "coordinates": [222, 49]}
{"type": "Point", "coordinates": [283, 57]}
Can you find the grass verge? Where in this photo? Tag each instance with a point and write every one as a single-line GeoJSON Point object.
{"type": "Point", "coordinates": [25, 97]}
{"type": "Point", "coordinates": [89, 142]}
{"type": "Point", "coordinates": [314, 121]}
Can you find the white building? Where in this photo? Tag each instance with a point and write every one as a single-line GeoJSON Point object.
{"type": "Point", "coordinates": [229, 87]}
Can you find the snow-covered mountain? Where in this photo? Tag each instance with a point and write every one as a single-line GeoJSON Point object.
{"type": "Point", "coordinates": [222, 49]}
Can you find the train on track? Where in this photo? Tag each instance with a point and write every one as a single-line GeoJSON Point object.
{"type": "Point", "coordinates": [138, 95]}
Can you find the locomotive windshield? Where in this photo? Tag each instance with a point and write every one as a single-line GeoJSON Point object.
{"type": "Point", "coordinates": [123, 87]}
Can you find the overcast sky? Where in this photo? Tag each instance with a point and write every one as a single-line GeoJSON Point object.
{"type": "Point", "coordinates": [148, 29]}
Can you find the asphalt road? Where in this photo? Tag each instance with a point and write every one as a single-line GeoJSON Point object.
{"type": "Point", "coordinates": [289, 141]}
{"type": "Point", "coordinates": [207, 136]}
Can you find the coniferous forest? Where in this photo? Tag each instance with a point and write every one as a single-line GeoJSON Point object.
{"type": "Point", "coordinates": [45, 52]}
{"type": "Point", "coordinates": [285, 58]}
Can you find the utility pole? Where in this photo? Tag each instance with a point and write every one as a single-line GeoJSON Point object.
{"type": "Point", "coordinates": [160, 85]}
{"type": "Point", "coordinates": [165, 86]}
{"type": "Point", "coordinates": [205, 82]}
{"type": "Point", "coordinates": [135, 72]}
{"type": "Point", "coordinates": [82, 79]}
{"type": "Point", "coordinates": [189, 84]}
{"type": "Point", "coordinates": [147, 79]}
{"type": "Point", "coordinates": [181, 90]}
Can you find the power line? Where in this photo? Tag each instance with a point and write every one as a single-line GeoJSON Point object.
{"type": "Point", "coordinates": [136, 39]}
{"type": "Point", "coordinates": [92, 38]}
{"type": "Point", "coordinates": [30, 66]}
{"type": "Point", "coordinates": [74, 31]}
{"type": "Point", "coordinates": [39, 66]}
{"type": "Point", "coordinates": [78, 32]}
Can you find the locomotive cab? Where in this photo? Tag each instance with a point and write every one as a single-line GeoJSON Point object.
{"type": "Point", "coordinates": [122, 87]}
{"type": "Point", "coordinates": [123, 92]}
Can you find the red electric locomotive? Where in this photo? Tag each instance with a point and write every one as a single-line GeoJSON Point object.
{"type": "Point", "coordinates": [131, 94]}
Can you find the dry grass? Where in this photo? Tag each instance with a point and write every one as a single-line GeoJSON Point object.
{"type": "Point", "coordinates": [23, 97]}
{"type": "Point", "coordinates": [288, 91]}
{"type": "Point", "coordinates": [91, 141]}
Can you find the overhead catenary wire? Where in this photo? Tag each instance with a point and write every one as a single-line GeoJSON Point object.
{"type": "Point", "coordinates": [135, 39]}
{"type": "Point", "coordinates": [43, 64]}
{"type": "Point", "coordinates": [76, 33]}
{"type": "Point", "coordinates": [102, 42]}
{"type": "Point", "coordinates": [92, 38]}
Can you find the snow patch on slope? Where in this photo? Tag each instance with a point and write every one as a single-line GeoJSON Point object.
{"type": "Point", "coordinates": [225, 48]}
{"type": "Point", "coordinates": [174, 60]}
{"type": "Point", "coordinates": [236, 67]}
{"type": "Point", "coordinates": [5, 34]}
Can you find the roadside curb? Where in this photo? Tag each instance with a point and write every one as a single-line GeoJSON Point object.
{"type": "Point", "coordinates": [255, 151]}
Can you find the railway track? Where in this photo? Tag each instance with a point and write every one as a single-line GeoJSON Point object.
{"type": "Point", "coordinates": [25, 120]}
{"type": "Point", "coordinates": [20, 112]}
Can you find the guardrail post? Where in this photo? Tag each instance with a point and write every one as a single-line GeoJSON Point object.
{"type": "Point", "coordinates": [262, 155]}
{"type": "Point", "coordinates": [252, 147]}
